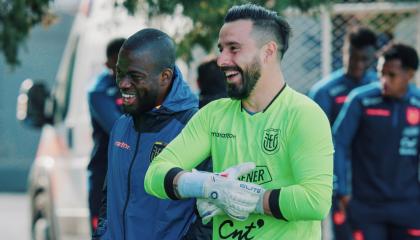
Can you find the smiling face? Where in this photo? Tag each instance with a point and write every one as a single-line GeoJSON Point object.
{"type": "Point", "coordinates": [138, 81]}
{"type": "Point", "coordinates": [239, 58]}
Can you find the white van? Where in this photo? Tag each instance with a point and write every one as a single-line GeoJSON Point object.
{"type": "Point", "coordinates": [58, 180]}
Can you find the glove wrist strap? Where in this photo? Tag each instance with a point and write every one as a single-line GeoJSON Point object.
{"type": "Point", "coordinates": [190, 185]}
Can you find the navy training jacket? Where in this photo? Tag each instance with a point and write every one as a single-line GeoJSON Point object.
{"type": "Point", "coordinates": [130, 212]}
{"type": "Point", "coordinates": [331, 92]}
{"type": "Point", "coordinates": [379, 136]}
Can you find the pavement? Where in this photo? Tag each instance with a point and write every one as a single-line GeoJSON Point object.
{"type": "Point", "coordinates": [14, 216]}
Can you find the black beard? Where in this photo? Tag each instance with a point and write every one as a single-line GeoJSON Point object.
{"type": "Point", "coordinates": [250, 76]}
{"type": "Point", "coordinates": [144, 105]}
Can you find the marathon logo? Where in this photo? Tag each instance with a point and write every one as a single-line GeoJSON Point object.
{"type": "Point", "coordinates": [122, 145]}
{"type": "Point", "coordinates": [259, 175]}
{"type": "Point", "coordinates": [222, 135]}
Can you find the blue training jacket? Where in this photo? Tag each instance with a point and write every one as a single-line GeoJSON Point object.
{"type": "Point", "coordinates": [380, 136]}
{"type": "Point", "coordinates": [331, 92]}
{"type": "Point", "coordinates": [105, 108]}
{"type": "Point", "coordinates": [130, 212]}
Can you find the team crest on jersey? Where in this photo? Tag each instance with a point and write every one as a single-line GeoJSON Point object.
{"type": "Point", "coordinates": [156, 149]}
{"type": "Point", "coordinates": [270, 141]}
{"type": "Point", "coordinates": [413, 115]}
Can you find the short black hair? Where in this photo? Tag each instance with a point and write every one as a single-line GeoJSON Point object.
{"type": "Point", "coordinates": [158, 43]}
{"type": "Point", "coordinates": [114, 46]}
{"type": "Point", "coordinates": [406, 54]}
{"type": "Point", "coordinates": [361, 37]}
{"type": "Point", "coordinates": [264, 20]}
{"type": "Point", "coordinates": [211, 79]}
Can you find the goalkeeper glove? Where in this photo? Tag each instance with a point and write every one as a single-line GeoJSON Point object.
{"type": "Point", "coordinates": [237, 198]}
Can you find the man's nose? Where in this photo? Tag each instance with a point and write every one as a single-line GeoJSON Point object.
{"type": "Point", "coordinates": [124, 82]}
{"type": "Point", "coordinates": [384, 79]}
{"type": "Point", "coordinates": [223, 59]}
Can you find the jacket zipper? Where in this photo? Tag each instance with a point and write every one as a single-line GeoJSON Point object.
{"type": "Point", "coordinates": [129, 184]}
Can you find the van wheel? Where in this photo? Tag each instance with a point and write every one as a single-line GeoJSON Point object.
{"type": "Point", "coordinates": [40, 226]}
{"type": "Point", "coordinates": [41, 229]}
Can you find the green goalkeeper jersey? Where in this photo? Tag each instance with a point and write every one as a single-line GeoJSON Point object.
{"type": "Point", "coordinates": [291, 144]}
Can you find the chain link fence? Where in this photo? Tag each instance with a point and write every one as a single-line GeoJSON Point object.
{"type": "Point", "coordinates": [318, 36]}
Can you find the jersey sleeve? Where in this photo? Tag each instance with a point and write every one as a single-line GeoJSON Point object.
{"type": "Point", "coordinates": [311, 151]}
{"type": "Point", "coordinates": [344, 130]}
{"type": "Point", "coordinates": [191, 147]}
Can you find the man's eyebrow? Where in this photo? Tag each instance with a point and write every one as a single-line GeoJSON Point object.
{"type": "Point", "coordinates": [231, 43]}
{"type": "Point", "coordinates": [136, 72]}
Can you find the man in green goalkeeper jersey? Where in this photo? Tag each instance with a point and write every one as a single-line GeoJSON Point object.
{"type": "Point", "coordinates": [275, 141]}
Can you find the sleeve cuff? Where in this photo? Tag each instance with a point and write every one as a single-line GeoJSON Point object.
{"type": "Point", "coordinates": [168, 183]}
{"type": "Point", "coordinates": [274, 204]}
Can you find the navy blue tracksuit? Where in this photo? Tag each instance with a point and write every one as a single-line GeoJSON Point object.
{"type": "Point", "coordinates": [330, 94]}
{"type": "Point", "coordinates": [131, 213]}
{"type": "Point", "coordinates": [378, 138]}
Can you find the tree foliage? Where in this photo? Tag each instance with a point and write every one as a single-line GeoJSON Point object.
{"type": "Point", "coordinates": [208, 16]}
{"type": "Point", "coordinates": [17, 17]}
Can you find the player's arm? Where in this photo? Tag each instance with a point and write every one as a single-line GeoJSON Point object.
{"type": "Point", "coordinates": [103, 109]}
{"type": "Point", "coordinates": [101, 231]}
{"type": "Point", "coordinates": [344, 130]}
{"type": "Point", "coordinates": [170, 176]}
{"type": "Point", "coordinates": [185, 152]}
{"type": "Point", "coordinates": [102, 220]}
{"type": "Point", "coordinates": [310, 147]}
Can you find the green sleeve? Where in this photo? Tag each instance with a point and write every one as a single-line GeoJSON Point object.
{"type": "Point", "coordinates": [311, 154]}
{"type": "Point", "coordinates": [186, 151]}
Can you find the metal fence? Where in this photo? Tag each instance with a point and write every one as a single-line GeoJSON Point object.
{"type": "Point", "coordinates": [318, 36]}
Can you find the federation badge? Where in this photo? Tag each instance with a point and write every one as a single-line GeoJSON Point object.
{"type": "Point", "coordinates": [270, 141]}
{"type": "Point", "coordinates": [156, 149]}
{"type": "Point", "coordinates": [413, 115]}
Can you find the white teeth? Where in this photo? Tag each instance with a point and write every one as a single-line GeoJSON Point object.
{"type": "Point", "coordinates": [230, 73]}
{"type": "Point", "coordinates": [125, 95]}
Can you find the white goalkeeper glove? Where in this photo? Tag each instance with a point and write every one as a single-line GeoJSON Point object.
{"type": "Point", "coordinates": [208, 210]}
{"type": "Point", "coordinates": [237, 198]}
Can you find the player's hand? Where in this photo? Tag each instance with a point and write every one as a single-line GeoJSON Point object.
{"type": "Point", "coordinates": [236, 198]}
{"type": "Point", "coordinates": [208, 210]}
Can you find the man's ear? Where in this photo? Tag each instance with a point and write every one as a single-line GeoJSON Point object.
{"type": "Point", "coordinates": [270, 51]}
{"type": "Point", "coordinates": [166, 77]}
{"type": "Point", "coordinates": [410, 73]}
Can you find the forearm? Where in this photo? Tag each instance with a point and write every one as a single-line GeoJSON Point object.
{"type": "Point", "coordinates": [271, 204]}
{"type": "Point", "coordinates": [305, 202]}
{"type": "Point", "coordinates": [102, 221]}
{"type": "Point", "coordinates": [158, 178]}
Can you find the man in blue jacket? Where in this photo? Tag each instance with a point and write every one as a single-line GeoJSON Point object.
{"type": "Point", "coordinates": [358, 55]}
{"type": "Point", "coordinates": [158, 103]}
{"type": "Point", "coordinates": [378, 132]}
{"type": "Point", "coordinates": [330, 94]}
{"type": "Point", "coordinates": [105, 108]}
